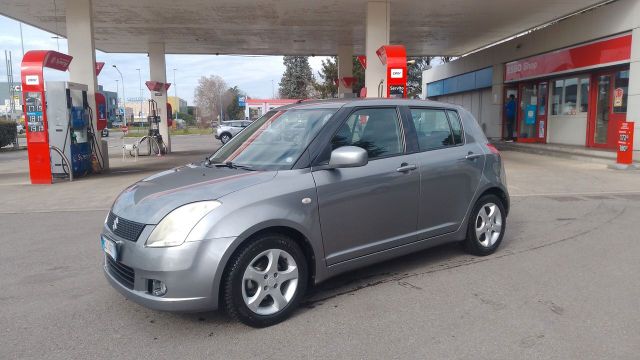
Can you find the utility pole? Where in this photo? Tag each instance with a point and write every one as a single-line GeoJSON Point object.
{"type": "Point", "coordinates": [124, 99]}
{"type": "Point", "coordinates": [21, 39]}
{"type": "Point", "coordinates": [140, 78]}
{"type": "Point", "coordinates": [175, 92]}
{"type": "Point", "coordinates": [118, 93]}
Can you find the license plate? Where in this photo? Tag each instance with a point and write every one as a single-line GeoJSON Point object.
{"type": "Point", "coordinates": [110, 248]}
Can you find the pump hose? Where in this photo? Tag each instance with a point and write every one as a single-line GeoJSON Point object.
{"type": "Point", "coordinates": [94, 142]}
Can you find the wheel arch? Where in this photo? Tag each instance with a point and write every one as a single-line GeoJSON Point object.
{"type": "Point", "coordinates": [291, 232]}
{"type": "Point", "coordinates": [500, 193]}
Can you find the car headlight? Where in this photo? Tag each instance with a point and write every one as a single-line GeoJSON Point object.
{"type": "Point", "coordinates": [175, 227]}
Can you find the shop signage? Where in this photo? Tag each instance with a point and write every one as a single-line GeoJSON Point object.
{"type": "Point", "coordinates": [595, 54]}
{"type": "Point", "coordinates": [618, 94]}
{"type": "Point", "coordinates": [625, 142]}
{"type": "Point", "coordinates": [396, 73]}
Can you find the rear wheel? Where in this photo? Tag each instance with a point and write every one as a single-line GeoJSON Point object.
{"type": "Point", "coordinates": [265, 281]}
{"type": "Point", "coordinates": [487, 225]}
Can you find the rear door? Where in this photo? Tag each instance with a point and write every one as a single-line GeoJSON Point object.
{"type": "Point", "coordinates": [370, 208]}
{"type": "Point", "coordinates": [450, 169]}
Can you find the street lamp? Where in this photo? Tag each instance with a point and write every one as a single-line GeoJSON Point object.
{"type": "Point", "coordinates": [140, 77]}
{"type": "Point", "coordinates": [175, 92]}
{"type": "Point", "coordinates": [124, 99]}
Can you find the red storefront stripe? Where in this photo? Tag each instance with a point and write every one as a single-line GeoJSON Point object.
{"type": "Point", "coordinates": [599, 53]}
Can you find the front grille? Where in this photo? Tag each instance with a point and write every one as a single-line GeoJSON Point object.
{"type": "Point", "coordinates": [121, 272]}
{"type": "Point", "coordinates": [126, 229]}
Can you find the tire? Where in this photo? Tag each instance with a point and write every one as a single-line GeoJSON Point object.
{"type": "Point", "coordinates": [225, 138]}
{"type": "Point", "coordinates": [477, 231]}
{"type": "Point", "coordinates": [258, 302]}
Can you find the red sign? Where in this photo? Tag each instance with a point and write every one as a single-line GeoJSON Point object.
{"type": "Point", "coordinates": [99, 66]}
{"type": "Point", "coordinates": [618, 94]}
{"type": "Point", "coordinates": [363, 61]}
{"type": "Point", "coordinates": [57, 61]}
{"type": "Point", "coordinates": [625, 143]}
{"type": "Point", "coordinates": [124, 129]}
{"type": "Point", "coordinates": [596, 54]}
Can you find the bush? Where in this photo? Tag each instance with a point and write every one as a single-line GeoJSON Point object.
{"type": "Point", "coordinates": [8, 132]}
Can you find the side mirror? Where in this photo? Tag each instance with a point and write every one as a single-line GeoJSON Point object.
{"type": "Point", "coordinates": [347, 157]}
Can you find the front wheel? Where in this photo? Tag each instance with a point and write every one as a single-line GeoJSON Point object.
{"type": "Point", "coordinates": [487, 226]}
{"type": "Point", "coordinates": [225, 138]}
{"type": "Point", "coordinates": [265, 281]}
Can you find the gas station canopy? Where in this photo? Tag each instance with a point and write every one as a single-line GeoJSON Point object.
{"type": "Point", "coordinates": [293, 27]}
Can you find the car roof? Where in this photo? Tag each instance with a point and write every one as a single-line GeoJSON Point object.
{"type": "Point", "coordinates": [355, 102]}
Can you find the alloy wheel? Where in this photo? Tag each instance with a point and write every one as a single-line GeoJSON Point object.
{"type": "Point", "coordinates": [270, 282]}
{"type": "Point", "coordinates": [488, 224]}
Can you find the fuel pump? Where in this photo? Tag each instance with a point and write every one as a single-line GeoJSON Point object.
{"type": "Point", "coordinates": [153, 120]}
{"type": "Point", "coordinates": [69, 128]}
{"type": "Point", "coordinates": [394, 57]}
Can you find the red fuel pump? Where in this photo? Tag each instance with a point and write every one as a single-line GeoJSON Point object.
{"type": "Point", "coordinates": [394, 57]}
{"type": "Point", "coordinates": [35, 109]}
{"type": "Point", "coordinates": [101, 105]}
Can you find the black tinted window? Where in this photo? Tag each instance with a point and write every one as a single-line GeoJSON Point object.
{"type": "Point", "coordinates": [432, 128]}
{"type": "Point", "coordinates": [375, 130]}
{"type": "Point", "coordinates": [456, 126]}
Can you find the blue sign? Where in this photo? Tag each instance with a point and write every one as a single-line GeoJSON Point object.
{"type": "Point", "coordinates": [530, 115]}
{"type": "Point", "coordinates": [242, 101]}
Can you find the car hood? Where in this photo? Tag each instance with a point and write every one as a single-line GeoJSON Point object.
{"type": "Point", "coordinates": [151, 199]}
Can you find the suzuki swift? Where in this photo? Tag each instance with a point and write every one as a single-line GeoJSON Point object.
{"type": "Point", "coordinates": [304, 193]}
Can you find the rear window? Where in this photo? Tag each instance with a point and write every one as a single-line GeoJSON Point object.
{"type": "Point", "coordinates": [456, 127]}
{"type": "Point", "coordinates": [432, 128]}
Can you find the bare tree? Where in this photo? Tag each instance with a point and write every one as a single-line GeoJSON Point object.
{"type": "Point", "coordinates": [209, 98]}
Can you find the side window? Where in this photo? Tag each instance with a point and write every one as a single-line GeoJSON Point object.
{"type": "Point", "coordinates": [375, 130]}
{"type": "Point", "coordinates": [456, 126]}
{"type": "Point", "coordinates": [432, 128]}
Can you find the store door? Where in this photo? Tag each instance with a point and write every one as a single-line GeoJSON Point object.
{"type": "Point", "coordinates": [532, 112]}
{"type": "Point", "coordinates": [608, 107]}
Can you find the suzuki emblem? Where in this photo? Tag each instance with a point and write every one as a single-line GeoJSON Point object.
{"type": "Point", "coordinates": [114, 226]}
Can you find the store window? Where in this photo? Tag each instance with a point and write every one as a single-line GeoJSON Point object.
{"type": "Point", "coordinates": [570, 96]}
{"type": "Point", "coordinates": [620, 92]}
{"type": "Point", "coordinates": [584, 95]}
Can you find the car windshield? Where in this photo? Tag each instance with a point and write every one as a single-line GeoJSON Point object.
{"type": "Point", "coordinates": [275, 141]}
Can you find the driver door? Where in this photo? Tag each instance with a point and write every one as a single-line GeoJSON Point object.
{"type": "Point", "coordinates": [371, 208]}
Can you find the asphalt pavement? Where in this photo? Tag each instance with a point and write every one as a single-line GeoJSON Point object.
{"type": "Point", "coordinates": [563, 285]}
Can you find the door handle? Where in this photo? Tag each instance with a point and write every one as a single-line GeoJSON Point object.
{"type": "Point", "coordinates": [404, 167]}
{"type": "Point", "coordinates": [472, 156]}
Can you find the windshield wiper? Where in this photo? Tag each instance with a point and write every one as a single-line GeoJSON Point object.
{"type": "Point", "coordinates": [232, 165]}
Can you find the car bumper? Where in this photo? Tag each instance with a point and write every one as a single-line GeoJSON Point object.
{"type": "Point", "coordinates": [217, 136]}
{"type": "Point", "coordinates": [191, 273]}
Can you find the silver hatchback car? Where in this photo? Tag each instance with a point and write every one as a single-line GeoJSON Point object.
{"type": "Point", "coordinates": [229, 129]}
{"type": "Point", "coordinates": [304, 193]}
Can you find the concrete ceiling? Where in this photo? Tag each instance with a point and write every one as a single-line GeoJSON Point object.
{"type": "Point", "coordinates": [294, 27]}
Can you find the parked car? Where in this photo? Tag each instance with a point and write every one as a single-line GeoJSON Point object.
{"type": "Point", "coordinates": [242, 230]}
{"type": "Point", "coordinates": [20, 128]}
{"type": "Point", "coordinates": [229, 129]}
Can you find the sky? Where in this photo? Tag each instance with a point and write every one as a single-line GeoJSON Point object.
{"type": "Point", "coordinates": [252, 74]}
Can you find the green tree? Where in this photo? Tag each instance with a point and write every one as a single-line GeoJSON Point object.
{"type": "Point", "coordinates": [188, 118]}
{"type": "Point", "coordinates": [234, 111]}
{"type": "Point", "coordinates": [358, 74]}
{"type": "Point", "coordinates": [414, 75]}
{"type": "Point", "coordinates": [327, 88]}
{"type": "Point", "coordinates": [297, 80]}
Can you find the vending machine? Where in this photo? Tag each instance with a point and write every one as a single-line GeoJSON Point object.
{"type": "Point", "coordinates": [69, 127]}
